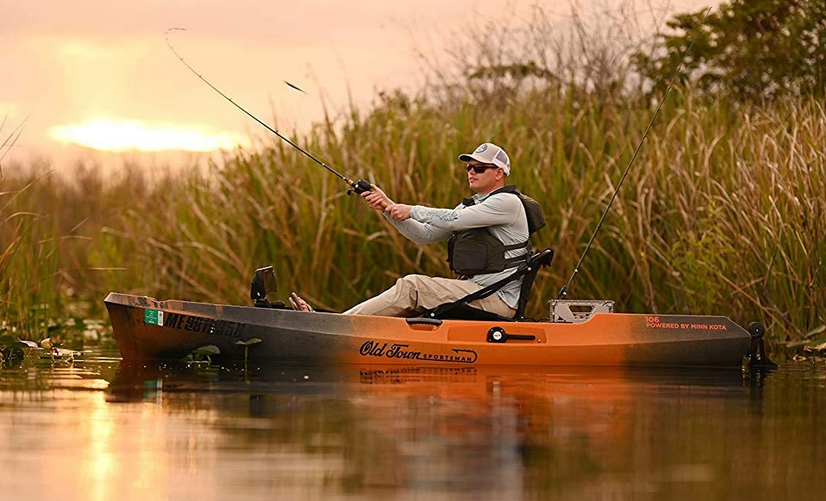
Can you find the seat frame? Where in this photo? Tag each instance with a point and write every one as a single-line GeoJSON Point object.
{"type": "Point", "coordinates": [460, 309]}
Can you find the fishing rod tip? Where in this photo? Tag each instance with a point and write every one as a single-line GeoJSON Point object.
{"type": "Point", "coordinates": [166, 32]}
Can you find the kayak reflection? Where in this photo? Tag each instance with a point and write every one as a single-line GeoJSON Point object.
{"type": "Point", "coordinates": [470, 429]}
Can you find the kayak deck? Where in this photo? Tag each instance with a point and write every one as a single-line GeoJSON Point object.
{"type": "Point", "coordinates": [145, 328]}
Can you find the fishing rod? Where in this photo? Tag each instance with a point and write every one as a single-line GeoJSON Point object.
{"type": "Point", "coordinates": [563, 292]}
{"type": "Point", "coordinates": [357, 187]}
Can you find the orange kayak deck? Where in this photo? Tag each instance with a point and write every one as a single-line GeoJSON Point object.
{"type": "Point", "coordinates": [146, 329]}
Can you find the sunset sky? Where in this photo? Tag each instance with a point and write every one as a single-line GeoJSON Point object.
{"type": "Point", "coordinates": [99, 73]}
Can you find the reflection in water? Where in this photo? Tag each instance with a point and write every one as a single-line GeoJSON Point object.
{"type": "Point", "coordinates": [369, 432]}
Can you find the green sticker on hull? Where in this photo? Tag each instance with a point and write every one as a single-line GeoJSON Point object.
{"type": "Point", "coordinates": [153, 317]}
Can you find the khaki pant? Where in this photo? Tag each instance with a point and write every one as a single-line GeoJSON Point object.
{"type": "Point", "coordinates": [413, 294]}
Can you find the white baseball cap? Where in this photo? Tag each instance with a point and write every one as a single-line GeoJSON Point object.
{"type": "Point", "coordinates": [489, 153]}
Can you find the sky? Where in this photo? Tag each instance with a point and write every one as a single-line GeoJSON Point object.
{"type": "Point", "coordinates": [92, 77]}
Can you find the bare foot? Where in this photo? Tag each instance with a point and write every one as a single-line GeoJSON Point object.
{"type": "Point", "coordinates": [299, 304]}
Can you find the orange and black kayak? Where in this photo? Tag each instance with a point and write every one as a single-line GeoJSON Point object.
{"type": "Point", "coordinates": [145, 328]}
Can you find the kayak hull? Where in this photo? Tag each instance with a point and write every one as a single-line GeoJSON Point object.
{"type": "Point", "coordinates": [147, 329]}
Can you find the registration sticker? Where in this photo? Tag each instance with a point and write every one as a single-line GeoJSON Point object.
{"type": "Point", "coordinates": [153, 317]}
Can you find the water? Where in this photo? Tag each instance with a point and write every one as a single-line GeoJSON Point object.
{"type": "Point", "coordinates": [103, 430]}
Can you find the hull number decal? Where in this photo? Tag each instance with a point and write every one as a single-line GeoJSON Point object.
{"type": "Point", "coordinates": [189, 323]}
{"type": "Point", "coordinates": [398, 351]}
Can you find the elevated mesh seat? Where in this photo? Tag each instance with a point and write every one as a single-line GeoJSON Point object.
{"type": "Point", "coordinates": [460, 310]}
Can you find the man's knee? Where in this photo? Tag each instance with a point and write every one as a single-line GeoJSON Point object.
{"type": "Point", "coordinates": [411, 287]}
{"type": "Point", "coordinates": [410, 281]}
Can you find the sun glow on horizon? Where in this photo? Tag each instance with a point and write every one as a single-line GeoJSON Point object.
{"type": "Point", "coordinates": [125, 135]}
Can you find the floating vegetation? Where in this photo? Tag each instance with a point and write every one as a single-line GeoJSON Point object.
{"type": "Point", "coordinates": [202, 355]}
{"type": "Point", "coordinates": [11, 350]}
{"type": "Point", "coordinates": [15, 351]}
{"type": "Point", "coordinates": [246, 344]}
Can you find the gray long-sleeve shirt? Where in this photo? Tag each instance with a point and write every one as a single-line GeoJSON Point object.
{"type": "Point", "coordinates": [503, 213]}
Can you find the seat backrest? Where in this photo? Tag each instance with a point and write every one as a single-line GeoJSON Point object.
{"type": "Point", "coordinates": [537, 260]}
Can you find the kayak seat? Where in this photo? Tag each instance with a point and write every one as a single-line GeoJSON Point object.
{"type": "Point", "coordinates": [460, 310]}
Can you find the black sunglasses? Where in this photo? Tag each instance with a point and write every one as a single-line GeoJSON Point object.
{"type": "Point", "coordinates": [480, 169]}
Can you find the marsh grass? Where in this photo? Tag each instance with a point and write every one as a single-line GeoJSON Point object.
{"type": "Point", "coordinates": [28, 266]}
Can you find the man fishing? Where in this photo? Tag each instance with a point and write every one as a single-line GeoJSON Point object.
{"type": "Point", "coordinates": [489, 234]}
{"type": "Point", "coordinates": [488, 238]}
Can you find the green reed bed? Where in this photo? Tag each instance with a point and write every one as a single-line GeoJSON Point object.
{"type": "Point", "coordinates": [28, 267]}
{"type": "Point", "coordinates": [722, 214]}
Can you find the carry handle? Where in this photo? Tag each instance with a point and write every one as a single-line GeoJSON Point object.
{"type": "Point", "coordinates": [424, 321]}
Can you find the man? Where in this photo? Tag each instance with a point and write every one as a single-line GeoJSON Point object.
{"type": "Point", "coordinates": [489, 237]}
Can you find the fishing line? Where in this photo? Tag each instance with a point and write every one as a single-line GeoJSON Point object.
{"type": "Point", "coordinates": [358, 187]}
{"type": "Point", "coordinates": [564, 290]}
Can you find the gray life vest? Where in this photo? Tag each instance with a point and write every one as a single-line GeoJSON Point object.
{"type": "Point", "coordinates": [477, 251]}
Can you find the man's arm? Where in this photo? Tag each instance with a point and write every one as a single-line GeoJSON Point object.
{"type": "Point", "coordinates": [495, 210]}
{"type": "Point", "coordinates": [418, 232]}
{"type": "Point", "coordinates": [415, 231]}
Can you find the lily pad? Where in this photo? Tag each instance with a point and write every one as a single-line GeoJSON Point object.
{"type": "Point", "coordinates": [209, 349]}
{"type": "Point", "coordinates": [202, 354]}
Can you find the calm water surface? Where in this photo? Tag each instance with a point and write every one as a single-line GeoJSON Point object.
{"type": "Point", "coordinates": [104, 430]}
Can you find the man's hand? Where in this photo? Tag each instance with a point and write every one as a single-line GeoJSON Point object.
{"type": "Point", "coordinates": [376, 198]}
{"type": "Point", "coordinates": [399, 212]}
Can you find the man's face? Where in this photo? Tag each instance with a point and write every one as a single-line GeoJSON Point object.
{"type": "Point", "coordinates": [485, 181]}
